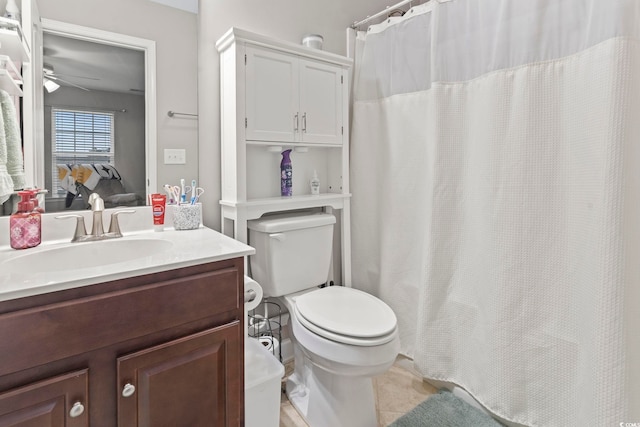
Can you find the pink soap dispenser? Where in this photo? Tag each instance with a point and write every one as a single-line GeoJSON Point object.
{"type": "Point", "coordinates": [25, 225]}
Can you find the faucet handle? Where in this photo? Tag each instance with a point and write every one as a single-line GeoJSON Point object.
{"type": "Point", "coordinates": [114, 226]}
{"type": "Point", "coordinates": [81, 230]}
{"type": "Point", "coordinates": [96, 202]}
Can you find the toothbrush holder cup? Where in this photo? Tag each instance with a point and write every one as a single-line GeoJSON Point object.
{"type": "Point", "coordinates": [187, 216]}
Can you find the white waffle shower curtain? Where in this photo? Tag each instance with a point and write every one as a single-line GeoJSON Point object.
{"type": "Point", "coordinates": [496, 200]}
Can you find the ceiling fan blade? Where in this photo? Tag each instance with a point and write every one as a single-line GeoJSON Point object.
{"type": "Point", "coordinates": [77, 77]}
{"type": "Point", "coordinates": [56, 78]}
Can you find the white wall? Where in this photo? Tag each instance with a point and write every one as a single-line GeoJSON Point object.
{"type": "Point", "coordinates": [285, 19]}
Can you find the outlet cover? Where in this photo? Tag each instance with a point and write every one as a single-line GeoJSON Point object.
{"type": "Point", "coordinates": [175, 156]}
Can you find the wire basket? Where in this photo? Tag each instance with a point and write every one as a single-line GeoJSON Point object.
{"type": "Point", "coordinates": [265, 324]}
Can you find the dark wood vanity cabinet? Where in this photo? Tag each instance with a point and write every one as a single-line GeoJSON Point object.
{"type": "Point", "coordinates": [163, 349]}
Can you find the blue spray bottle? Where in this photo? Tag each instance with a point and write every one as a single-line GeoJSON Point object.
{"type": "Point", "coordinates": [286, 173]}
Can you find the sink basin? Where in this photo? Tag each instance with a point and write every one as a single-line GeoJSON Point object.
{"type": "Point", "coordinates": [84, 255]}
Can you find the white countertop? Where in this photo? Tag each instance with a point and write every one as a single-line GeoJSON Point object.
{"type": "Point", "coordinates": [188, 248]}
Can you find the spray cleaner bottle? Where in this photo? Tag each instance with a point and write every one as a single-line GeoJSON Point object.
{"type": "Point", "coordinates": [286, 174]}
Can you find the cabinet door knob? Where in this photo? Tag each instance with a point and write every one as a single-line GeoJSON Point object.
{"type": "Point", "coordinates": [295, 123]}
{"type": "Point", "coordinates": [76, 410]}
{"type": "Point", "coordinates": [128, 390]}
{"type": "Point", "coordinates": [304, 122]}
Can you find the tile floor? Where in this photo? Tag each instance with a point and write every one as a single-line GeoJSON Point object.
{"type": "Point", "coordinates": [397, 391]}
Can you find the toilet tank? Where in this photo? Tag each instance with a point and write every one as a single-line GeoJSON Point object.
{"type": "Point", "coordinates": [293, 251]}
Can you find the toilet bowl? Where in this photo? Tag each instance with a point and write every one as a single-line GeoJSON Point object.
{"type": "Point", "coordinates": [331, 384]}
{"type": "Point", "coordinates": [341, 336]}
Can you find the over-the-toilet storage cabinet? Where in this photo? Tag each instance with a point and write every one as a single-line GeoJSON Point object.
{"type": "Point", "coordinates": [278, 95]}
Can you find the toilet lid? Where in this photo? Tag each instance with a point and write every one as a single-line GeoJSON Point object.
{"type": "Point", "coordinates": [346, 315]}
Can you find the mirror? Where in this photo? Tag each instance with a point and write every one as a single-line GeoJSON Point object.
{"type": "Point", "coordinates": [99, 111]}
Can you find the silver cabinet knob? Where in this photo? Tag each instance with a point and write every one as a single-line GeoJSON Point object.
{"type": "Point", "coordinates": [128, 390]}
{"type": "Point", "coordinates": [76, 410]}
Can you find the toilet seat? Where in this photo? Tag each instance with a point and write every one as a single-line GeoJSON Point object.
{"type": "Point", "coordinates": [346, 315]}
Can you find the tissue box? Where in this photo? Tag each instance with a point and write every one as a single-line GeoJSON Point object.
{"type": "Point", "coordinates": [187, 216]}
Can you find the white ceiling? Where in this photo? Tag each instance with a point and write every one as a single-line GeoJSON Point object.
{"type": "Point", "coordinates": [95, 66]}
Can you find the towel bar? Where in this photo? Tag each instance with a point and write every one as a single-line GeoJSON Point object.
{"type": "Point", "coordinates": [175, 113]}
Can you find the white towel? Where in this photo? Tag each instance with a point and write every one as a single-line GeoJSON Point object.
{"type": "Point", "coordinates": [6, 183]}
{"type": "Point", "coordinates": [15, 163]}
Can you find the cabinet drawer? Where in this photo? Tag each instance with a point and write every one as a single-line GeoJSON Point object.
{"type": "Point", "coordinates": [36, 336]}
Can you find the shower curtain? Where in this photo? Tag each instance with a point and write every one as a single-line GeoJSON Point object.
{"type": "Point", "coordinates": [495, 171]}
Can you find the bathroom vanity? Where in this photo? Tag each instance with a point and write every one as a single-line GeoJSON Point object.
{"type": "Point", "coordinates": [156, 341]}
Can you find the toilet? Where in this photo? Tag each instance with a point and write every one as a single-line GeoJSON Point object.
{"type": "Point", "coordinates": [341, 336]}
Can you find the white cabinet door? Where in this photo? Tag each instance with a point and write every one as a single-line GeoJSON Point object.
{"type": "Point", "coordinates": [320, 102]}
{"type": "Point", "coordinates": [271, 96]}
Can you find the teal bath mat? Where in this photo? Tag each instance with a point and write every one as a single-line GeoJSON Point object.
{"type": "Point", "coordinates": [443, 409]}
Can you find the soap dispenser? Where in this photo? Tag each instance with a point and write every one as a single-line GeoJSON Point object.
{"type": "Point", "coordinates": [25, 225]}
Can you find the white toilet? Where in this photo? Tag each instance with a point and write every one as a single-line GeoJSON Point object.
{"type": "Point", "coordinates": [341, 336]}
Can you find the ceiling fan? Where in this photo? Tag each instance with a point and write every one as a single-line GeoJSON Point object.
{"type": "Point", "coordinates": [50, 76]}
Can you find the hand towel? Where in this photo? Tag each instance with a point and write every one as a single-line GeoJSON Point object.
{"type": "Point", "coordinates": [6, 183]}
{"type": "Point", "coordinates": [15, 163]}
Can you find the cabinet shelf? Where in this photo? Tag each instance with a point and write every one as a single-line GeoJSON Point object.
{"type": "Point", "coordinates": [286, 145]}
{"type": "Point", "coordinates": [12, 41]}
{"type": "Point", "coordinates": [8, 84]}
{"type": "Point", "coordinates": [255, 208]}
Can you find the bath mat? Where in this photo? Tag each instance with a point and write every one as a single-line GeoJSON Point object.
{"type": "Point", "coordinates": [443, 409]}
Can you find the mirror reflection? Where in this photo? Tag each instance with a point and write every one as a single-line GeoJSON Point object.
{"type": "Point", "coordinates": [94, 123]}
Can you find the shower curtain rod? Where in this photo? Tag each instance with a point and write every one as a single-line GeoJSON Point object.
{"type": "Point", "coordinates": [388, 9]}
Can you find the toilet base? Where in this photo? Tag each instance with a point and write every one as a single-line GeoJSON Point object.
{"type": "Point", "coordinates": [325, 399]}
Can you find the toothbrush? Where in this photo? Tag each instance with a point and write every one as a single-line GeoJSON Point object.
{"type": "Point", "coordinates": [183, 196]}
{"type": "Point", "coordinates": [193, 191]}
{"type": "Point", "coordinates": [169, 191]}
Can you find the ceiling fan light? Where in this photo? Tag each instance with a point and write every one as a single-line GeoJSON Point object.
{"type": "Point", "coordinates": [50, 85]}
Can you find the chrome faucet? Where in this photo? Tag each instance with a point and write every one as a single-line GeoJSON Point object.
{"type": "Point", "coordinates": [97, 227]}
{"type": "Point", "coordinates": [97, 207]}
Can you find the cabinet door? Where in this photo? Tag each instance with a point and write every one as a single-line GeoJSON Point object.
{"type": "Point", "coordinates": [320, 102]}
{"type": "Point", "coordinates": [271, 96]}
{"type": "Point", "coordinates": [193, 381]}
{"type": "Point", "coordinates": [56, 402]}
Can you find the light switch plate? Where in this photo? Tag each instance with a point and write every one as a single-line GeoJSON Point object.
{"type": "Point", "coordinates": [175, 156]}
